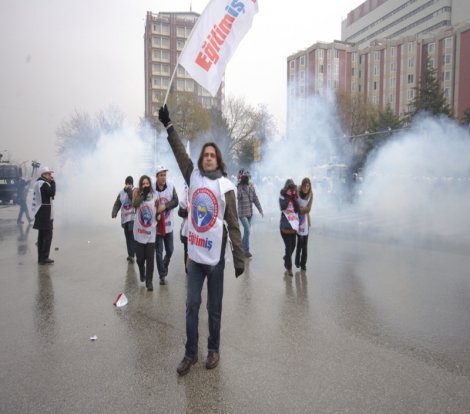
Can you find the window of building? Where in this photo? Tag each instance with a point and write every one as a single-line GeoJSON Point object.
{"type": "Point", "coordinates": [431, 47]}
{"type": "Point", "coordinates": [161, 83]}
{"type": "Point", "coordinates": [431, 63]}
{"type": "Point", "coordinates": [375, 99]}
{"type": "Point", "coordinates": [352, 71]}
{"type": "Point", "coordinates": [302, 90]}
{"type": "Point", "coordinates": [376, 56]}
{"type": "Point", "coordinates": [447, 59]}
{"type": "Point", "coordinates": [320, 68]}
{"type": "Point", "coordinates": [411, 78]}
{"type": "Point", "coordinates": [160, 69]}
{"type": "Point", "coordinates": [354, 56]}
{"type": "Point", "coordinates": [446, 92]}
{"type": "Point", "coordinates": [392, 51]}
{"type": "Point", "coordinates": [182, 31]}
{"type": "Point", "coordinates": [448, 42]}
{"type": "Point", "coordinates": [393, 67]}
{"type": "Point", "coordinates": [161, 28]}
{"type": "Point", "coordinates": [162, 42]}
{"type": "Point", "coordinates": [302, 61]}
{"type": "Point", "coordinates": [336, 68]}
{"type": "Point", "coordinates": [392, 82]}
{"type": "Point", "coordinates": [161, 55]}
{"type": "Point", "coordinates": [411, 46]}
{"type": "Point", "coordinates": [446, 75]}
{"type": "Point", "coordinates": [360, 73]}
{"type": "Point", "coordinates": [302, 75]}
{"type": "Point", "coordinates": [292, 65]}
{"type": "Point", "coordinates": [353, 86]}
{"type": "Point", "coordinates": [411, 93]}
{"type": "Point", "coordinates": [185, 85]}
{"type": "Point", "coordinates": [360, 59]}
{"type": "Point", "coordinates": [375, 85]}
{"type": "Point", "coordinates": [336, 53]}
{"type": "Point", "coordinates": [376, 70]}
{"type": "Point", "coordinates": [411, 62]}
{"type": "Point", "coordinates": [320, 53]}
{"type": "Point", "coordinates": [181, 72]}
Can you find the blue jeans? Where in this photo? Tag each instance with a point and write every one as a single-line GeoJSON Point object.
{"type": "Point", "coordinates": [246, 223]}
{"type": "Point", "coordinates": [163, 262]}
{"type": "Point", "coordinates": [215, 289]}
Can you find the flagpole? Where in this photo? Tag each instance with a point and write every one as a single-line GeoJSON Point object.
{"type": "Point", "coordinates": [171, 81]}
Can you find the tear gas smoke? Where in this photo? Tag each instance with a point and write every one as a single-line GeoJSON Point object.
{"type": "Point", "coordinates": [418, 184]}
{"type": "Point", "coordinates": [87, 187]}
{"type": "Point", "coordinates": [415, 189]}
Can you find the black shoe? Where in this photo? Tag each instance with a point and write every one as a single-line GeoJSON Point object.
{"type": "Point", "coordinates": [297, 264]}
{"type": "Point", "coordinates": [130, 259]}
{"type": "Point", "coordinates": [248, 254]}
{"type": "Point", "coordinates": [303, 268]}
{"type": "Point", "coordinates": [149, 285]}
{"type": "Point", "coordinates": [142, 278]}
{"type": "Point", "coordinates": [185, 365]}
{"type": "Point", "coordinates": [212, 360]}
{"type": "Point", "coordinates": [47, 261]}
{"type": "Point", "coordinates": [289, 272]}
{"type": "Point", "coordinates": [162, 281]}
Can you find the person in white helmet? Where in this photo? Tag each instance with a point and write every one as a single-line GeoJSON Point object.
{"type": "Point", "coordinates": [43, 211]}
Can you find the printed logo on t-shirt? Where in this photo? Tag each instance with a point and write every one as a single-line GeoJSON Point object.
{"type": "Point", "coordinates": [145, 216]}
{"type": "Point", "coordinates": [205, 210]}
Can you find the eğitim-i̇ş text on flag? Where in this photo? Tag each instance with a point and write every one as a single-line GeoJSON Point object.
{"type": "Point", "coordinates": [214, 39]}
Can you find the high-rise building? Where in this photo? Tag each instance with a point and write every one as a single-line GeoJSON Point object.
{"type": "Point", "coordinates": [164, 39]}
{"type": "Point", "coordinates": [384, 52]}
{"type": "Point", "coordinates": [392, 19]}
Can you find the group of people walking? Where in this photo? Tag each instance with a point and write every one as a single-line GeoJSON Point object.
{"type": "Point", "coordinates": [147, 220]}
{"type": "Point", "coordinates": [211, 209]}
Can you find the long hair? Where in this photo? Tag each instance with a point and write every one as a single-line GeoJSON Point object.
{"type": "Point", "coordinates": [306, 180]}
{"type": "Point", "coordinates": [289, 184]}
{"type": "Point", "coordinates": [141, 180]}
{"type": "Point", "coordinates": [218, 155]}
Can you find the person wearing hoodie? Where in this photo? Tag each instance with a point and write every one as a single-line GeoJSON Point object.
{"type": "Point", "coordinates": [124, 203]}
{"type": "Point", "coordinates": [246, 195]}
{"type": "Point", "coordinates": [289, 225]}
{"type": "Point", "coordinates": [167, 200]}
{"type": "Point", "coordinates": [305, 203]}
{"type": "Point", "coordinates": [43, 211]}
{"type": "Point", "coordinates": [212, 202]}
{"type": "Point", "coordinates": [145, 222]}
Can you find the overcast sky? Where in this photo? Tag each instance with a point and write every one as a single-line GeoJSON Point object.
{"type": "Point", "coordinates": [62, 55]}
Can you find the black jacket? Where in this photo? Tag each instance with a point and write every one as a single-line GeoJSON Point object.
{"type": "Point", "coordinates": [42, 219]}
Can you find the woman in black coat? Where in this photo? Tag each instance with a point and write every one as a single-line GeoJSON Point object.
{"type": "Point", "coordinates": [289, 205]}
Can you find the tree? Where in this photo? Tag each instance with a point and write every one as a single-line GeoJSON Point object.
{"type": "Point", "coordinates": [190, 117]}
{"type": "Point", "coordinates": [356, 115]}
{"type": "Point", "coordinates": [79, 134]}
{"type": "Point", "coordinates": [246, 123]}
{"type": "Point", "coordinates": [428, 94]}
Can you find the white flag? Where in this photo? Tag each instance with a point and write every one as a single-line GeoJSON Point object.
{"type": "Point", "coordinates": [214, 39]}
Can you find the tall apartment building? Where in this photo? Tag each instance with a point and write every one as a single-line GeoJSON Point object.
{"type": "Point", "coordinates": [164, 39]}
{"type": "Point", "coordinates": [386, 70]}
{"type": "Point", "coordinates": [391, 19]}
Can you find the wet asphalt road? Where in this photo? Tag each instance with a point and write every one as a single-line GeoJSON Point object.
{"type": "Point", "coordinates": [370, 328]}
